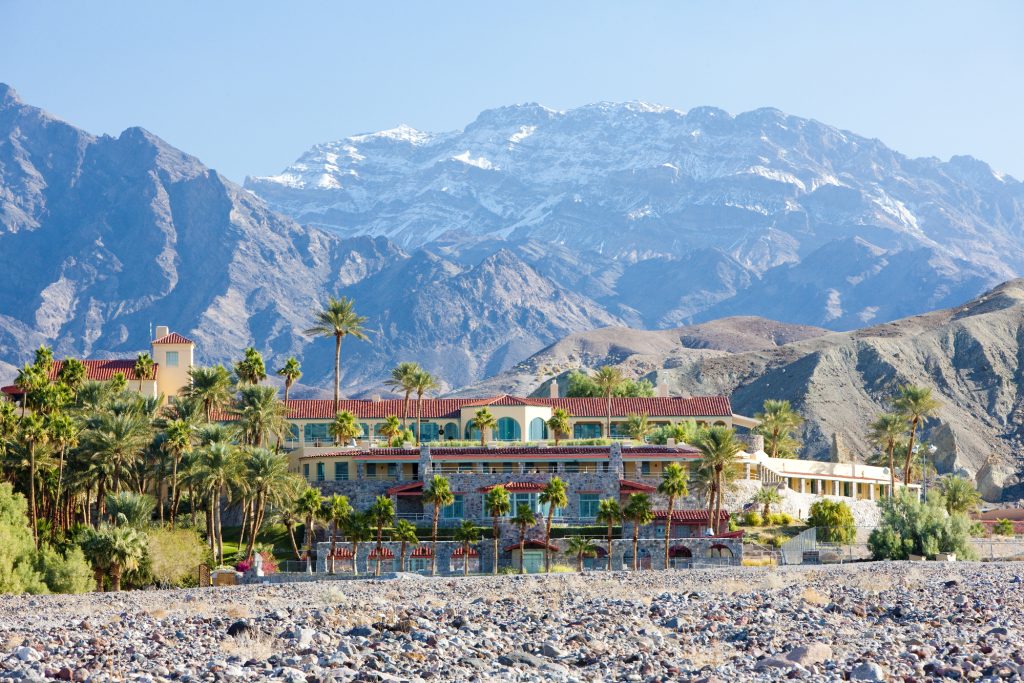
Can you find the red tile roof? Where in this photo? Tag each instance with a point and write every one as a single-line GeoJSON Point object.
{"type": "Point", "coordinates": [341, 554]}
{"type": "Point", "coordinates": [95, 370]}
{"type": "Point", "coordinates": [656, 406]}
{"type": "Point", "coordinates": [627, 486]}
{"type": "Point", "coordinates": [382, 553]}
{"type": "Point", "coordinates": [173, 338]}
{"type": "Point", "coordinates": [422, 551]}
{"type": "Point", "coordinates": [505, 400]}
{"type": "Point", "coordinates": [520, 486]}
{"type": "Point", "coordinates": [458, 552]}
{"type": "Point", "coordinates": [696, 516]}
{"type": "Point", "coordinates": [531, 544]}
{"type": "Point", "coordinates": [413, 489]}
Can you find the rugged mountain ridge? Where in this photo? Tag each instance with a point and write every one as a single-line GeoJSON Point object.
{"type": "Point", "coordinates": [972, 355]}
{"type": "Point", "coordinates": [102, 237]}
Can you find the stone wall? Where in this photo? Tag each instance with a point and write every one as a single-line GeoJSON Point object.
{"type": "Point", "coordinates": [866, 513]}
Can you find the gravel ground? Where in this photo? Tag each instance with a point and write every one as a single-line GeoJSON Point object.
{"type": "Point", "coordinates": [888, 621]}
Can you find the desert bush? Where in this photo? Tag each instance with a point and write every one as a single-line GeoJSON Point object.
{"type": "Point", "coordinates": [64, 573]}
{"type": "Point", "coordinates": [779, 519]}
{"type": "Point", "coordinates": [912, 527]}
{"type": "Point", "coordinates": [174, 555]}
{"type": "Point", "coordinates": [17, 550]}
{"type": "Point", "coordinates": [776, 540]}
{"type": "Point", "coordinates": [1003, 527]}
{"type": "Point", "coordinates": [562, 569]}
{"type": "Point", "coordinates": [752, 518]}
{"type": "Point", "coordinates": [834, 521]}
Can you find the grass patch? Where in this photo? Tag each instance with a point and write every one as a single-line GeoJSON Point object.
{"type": "Point", "coordinates": [275, 534]}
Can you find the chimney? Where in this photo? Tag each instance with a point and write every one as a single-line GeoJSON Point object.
{"type": "Point", "coordinates": [756, 443]}
{"type": "Point", "coordinates": [375, 398]}
{"type": "Point", "coordinates": [553, 388]}
{"type": "Point", "coordinates": [162, 331]}
{"type": "Point", "coordinates": [662, 389]}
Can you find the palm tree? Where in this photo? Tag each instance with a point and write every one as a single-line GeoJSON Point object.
{"type": "Point", "coordinates": [580, 547]}
{"type": "Point", "coordinates": [44, 358]}
{"type": "Point", "coordinates": [483, 420]}
{"type": "Point", "coordinates": [127, 548]}
{"type": "Point", "coordinates": [466, 533]}
{"type": "Point", "coordinates": [96, 546]}
{"type": "Point", "coordinates": [289, 518]}
{"type": "Point", "coordinates": [438, 494]}
{"type": "Point", "coordinates": [178, 436]}
{"type": "Point", "coordinates": [118, 440]}
{"type": "Point", "coordinates": [718, 449]}
{"type": "Point", "coordinates": [310, 505]}
{"type": "Point", "coordinates": [144, 368]}
{"type": "Point", "coordinates": [338, 319]}
{"type": "Point", "coordinates": [33, 435]}
{"type": "Point", "coordinates": [382, 512]}
{"type": "Point", "coordinates": [554, 496]}
{"type": "Point", "coordinates": [358, 531]}
{"type": "Point", "coordinates": [64, 432]}
{"type": "Point", "coordinates": [392, 429]}
{"type": "Point", "coordinates": [72, 374]}
{"type": "Point", "coordinates": [672, 486]}
{"type": "Point", "coordinates": [338, 512]}
{"type": "Point", "coordinates": [344, 428]}
{"type": "Point", "coordinates": [497, 503]}
{"type": "Point", "coordinates": [29, 380]}
{"type": "Point", "coordinates": [608, 380]}
{"type": "Point", "coordinates": [610, 514]}
{"type": "Point", "coordinates": [130, 508]}
{"type": "Point", "coordinates": [638, 511]}
{"type": "Point", "coordinates": [270, 483]}
{"type": "Point", "coordinates": [405, 532]}
{"type": "Point", "coordinates": [779, 423]}
{"type": "Point", "coordinates": [261, 415]}
{"type": "Point", "coordinates": [637, 427]}
{"type": "Point", "coordinates": [887, 431]}
{"type": "Point", "coordinates": [424, 383]}
{"type": "Point", "coordinates": [210, 385]}
{"type": "Point", "coordinates": [523, 520]}
{"type": "Point", "coordinates": [766, 496]}
{"type": "Point", "coordinates": [960, 494]}
{"type": "Point", "coordinates": [219, 468]}
{"type": "Point", "coordinates": [403, 379]}
{"type": "Point", "coordinates": [559, 425]}
{"type": "Point", "coordinates": [251, 369]}
{"type": "Point", "coordinates": [915, 404]}
{"type": "Point", "coordinates": [292, 373]}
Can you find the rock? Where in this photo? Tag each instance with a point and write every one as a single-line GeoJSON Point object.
{"type": "Point", "coordinates": [360, 632]}
{"type": "Point", "coordinates": [812, 653]}
{"type": "Point", "coordinates": [550, 650]}
{"type": "Point", "coordinates": [239, 628]}
{"type": "Point", "coordinates": [867, 671]}
{"type": "Point", "coordinates": [303, 637]}
{"type": "Point", "coordinates": [524, 658]}
{"type": "Point", "coordinates": [27, 654]}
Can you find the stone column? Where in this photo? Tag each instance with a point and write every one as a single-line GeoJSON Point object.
{"type": "Point", "coordinates": [615, 459]}
{"type": "Point", "coordinates": [803, 486]}
{"type": "Point", "coordinates": [521, 467]}
{"type": "Point", "coordinates": [360, 470]}
{"type": "Point", "coordinates": [426, 464]}
{"type": "Point", "coordinates": [871, 491]}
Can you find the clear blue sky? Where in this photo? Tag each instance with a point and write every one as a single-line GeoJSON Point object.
{"type": "Point", "coordinates": [248, 86]}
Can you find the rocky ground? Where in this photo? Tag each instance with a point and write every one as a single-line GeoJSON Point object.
{"type": "Point", "coordinates": [891, 621]}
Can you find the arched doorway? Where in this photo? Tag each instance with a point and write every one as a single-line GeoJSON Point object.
{"type": "Point", "coordinates": [508, 430]}
{"type": "Point", "coordinates": [451, 431]}
{"type": "Point", "coordinates": [719, 554]}
{"type": "Point", "coordinates": [538, 429]}
{"type": "Point", "coordinates": [680, 557]}
{"type": "Point", "coordinates": [643, 559]}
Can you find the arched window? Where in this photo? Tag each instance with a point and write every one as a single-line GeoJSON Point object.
{"type": "Point", "coordinates": [508, 430]}
{"type": "Point", "coordinates": [472, 433]}
{"type": "Point", "coordinates": [431, 432]}
{"type": "Point", "coordinates": [538, 429]}
{"type": "Point", "coordinates": [451, 431]}
{"type": "Point", "coordinates": [366, 430]}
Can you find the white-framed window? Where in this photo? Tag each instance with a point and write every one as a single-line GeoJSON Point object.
{"type": "Point", "coordinates": [589, 504]}
{"type": "Point", "coordinates": [172, 359]}
{"type": "Point", "coordinates": [455, 510]}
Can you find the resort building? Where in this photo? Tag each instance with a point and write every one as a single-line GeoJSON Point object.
{"type": "Point", "coordinates": [173, 356]}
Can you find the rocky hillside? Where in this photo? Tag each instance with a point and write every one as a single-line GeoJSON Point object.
{"type": "Point", "coordinates": [972, 355]}
{"type": "Point", "coordinates": [102, 237]}
{"type": "Point", "coordinates": [666, 217]}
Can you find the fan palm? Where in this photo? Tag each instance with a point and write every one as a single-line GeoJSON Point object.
{"type": "Point", "coordinates": [466, 533]}
{"type": "Point", "coordinates": [766, 496]}
{"type": "Point", "coordinates": [270, 484]}
{"type": "Point", "coordinates": [523, 520]}
{"type": "Point", "coordinates": [178, 436]}
{"type": "Point", "coordinates": [915, 404]}
{"type": "Point", "coordinates": [289, 518]}
{"type": "Point", "coordinates": [358, 531]}
{"type": "Point", "coordinates": [261, 415]}
{"type": "Point", "coordinates": [292, 373]}
{"type": "Point", "coordinates": [638, 427]}
{"type": "Point", "coordinates": [497, 503]}
{"type": "Point", "coordinates": [779, 423]}
{"type": "Point", "coordinates": [97, 547]}
{"type": "Point", "coordinates": [382, 513]}
{"type": "Point", "coordinates": [718, 448]}
{"type": "Point", "coordinates": [639, 512]}
{"type": "Point", "coordinates": [130, 508]}
{"type": "Point", "coordinates": [29, 380]}
{"type": "Point", "coordinates": [672, 486]}
{"type": "Point", "coordinates": [403, 379]}
{"type": "Point", "coordinates": [553, 495]}
{"type": "Point", "coordinates": [33, 434]}
{"type": "Point", "coordinates": [438, 494]}
{"type": "Point", "coordinates": [251, 369]}
{"type": "Point", "coordinates": [144, 368]}
{"type": "Point", "coordinates": [483, 420]}
{"type": "Point", "coordinates": [338, 319]}
{"type": "Point", "coordinates": [392, 429]}
{"type": "Point", "coordinates": [609, 513]}
{"type": "Point", "coordinates": [64, 432]}
{"type": "Point", "coordinates": [338, 510]}
{"type": "Point", "coordinates": [210, 385]}
{"type": "Point", "coordinates": [424, 383]}
{"type": "Point", "coordinates": [559, 425]}
{"type": "Point", "coordinates": [127, 549]}
{"type": "Point", "coordinates": [72, 374]}
{"type": "Point", "coordinates": [960, 494]}
{"type": "Point", "coordinates": [887, 431]}
{"type": "Point", "coordinates": [580, 547]}
{"type": "Point", "coordinates": [405, 533]}
{"type": "Point", "coordinates": [608, 380]}
{"type": "Point", "coordinates": [219, 467]}
{"type": "Point", "coordinates": [344, 428]}
{"type": "Point", "coordinates": [310, 505]}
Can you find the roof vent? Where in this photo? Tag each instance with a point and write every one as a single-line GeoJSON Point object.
{"type": "Point", "coordinates": [375, 398]}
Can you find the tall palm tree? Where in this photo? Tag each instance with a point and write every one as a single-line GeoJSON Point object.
{"type": "Point", "coordinates": [483, 420]}
{"type": "Point", "coordinates": [218, 469]}
{"type": "Point", "coordinates": [382, 512]}
{"type": "Point", "coordinates": [29, 380]}
{"type": "Point", "coordinates": [779, 423]}
{"type": "Point", "coordinates": [310, 505]}
{"type": "Point", "coordinates": [610, 514]}
{"type": "Point", "coordinates": [178, 440]}
{"type": "Point", "coordinates": [403, 379]}
{"type": "Point", "coordinates": [555, 496]}
{"type": "Point", "coordinates": [405, 533]}
{"type": "Point", "coordinates": [338, 512]}
{"type": "Point", "coordinates": [338, 319]}
{"type": "Point", "coordinates": [251, 369]}
{"type": "Point", "coordinates": [261, 415]}
{"type": "Point", "coordinates": [672, 486]}
{"type": "Point", "coordinates": [718, 449]}
{"type": "Point", "coordinates": [497, 503]}
{"type": "Point", "coordinates": [915, 404]}
{"type": "Point", "coordinates": [210, 385]}
{"type": "Point", "coordinates": [119, 440]}
{"type": "Point", "coordinates": [438, 494]}
{"type": "Point", "coordinates": [289, 518]}
{"type": "Point", "coordinates": [580, 547]}
{"type": "Point", "coordinates": [559, 425]}
{"type": "Point", "coordinates": [887, 431]}
{"type": "Point", "coordinates": [638, 427]}
{"type": "Point", "coordinates": [523, 520]}
{"type": "Point", "coordinates": [608, 380]}
{"type": "Point", "coordinates": [292, 373]}
{"type": "Point", "coordinates": [639, 512]}
{"type": "Point", "coordinates": [392, 429]}
{"type": "Point", "coordinates": [64, 432]}
{"type": "Point", "coordinates": [33, 435]}
{"type": "Point", "coordinates": [144, 368]}
{"type": "Point", "coordinates": [270, 484]}
{"type": "Point", "coordinates": [424, 383]}
{"type": "Point", "coordinates": [344, 428]}
{"type": "Point", "coordinates": [358, 531]}
{"type": "Point", "coordinates": [466, 533]}
{"type": "Point", "coordinates": [72, 374]}
{"type": "Point", "coordinates": [766, 496]}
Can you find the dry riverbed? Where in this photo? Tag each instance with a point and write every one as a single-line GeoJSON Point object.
{"type": "Point", "coordinates": [887, 621]}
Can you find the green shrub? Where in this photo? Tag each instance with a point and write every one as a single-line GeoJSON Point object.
{"type": "Point", "coordinates": [67, 573]}
{"type": "Point", "coordinates": [776, 540]}
{"type": "Point", "coordinates": [562, 569]}
{"type": "Point", "coordinates": [733, 524]}
{"type": "Point", "coordinates": [175, 555]}
{"type": "Point", "coordinates": [978, 530]}
{"type": "Point", "coordinates": [1003, 527]}
{"type": "Point", "coordinates": [910, 527]}
{"type": "Point", "coordinates": [834, 521]}
{"type": "Point", "coordinates": [17, 550]}
{"type": "Point", "coordinates": [779, 519]}
{"type": "Point", "coordinates": [752, 518]}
